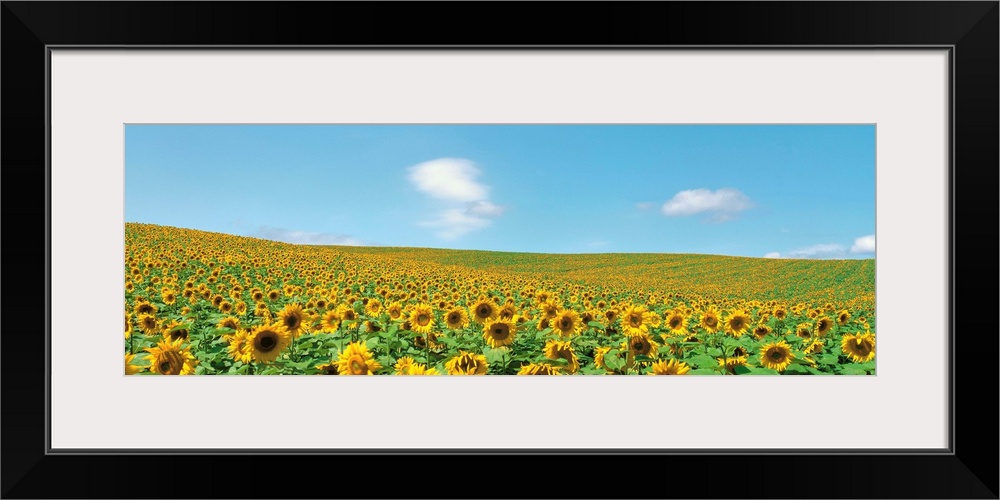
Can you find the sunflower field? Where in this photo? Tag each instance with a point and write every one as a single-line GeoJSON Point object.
{"type": "Point", "coordinates": [199, 303]}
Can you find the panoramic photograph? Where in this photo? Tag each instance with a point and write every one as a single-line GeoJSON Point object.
{"type": "Point", "coordinates": [499, 249]}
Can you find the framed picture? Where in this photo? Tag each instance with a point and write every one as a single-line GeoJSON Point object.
{"type": "Point", "coordinates": [287, 201]}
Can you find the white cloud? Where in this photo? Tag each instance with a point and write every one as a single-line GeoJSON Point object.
{"type": "Point", "coordinates": [645, 205]}
{"type": "Point", "coordinates": [449, 179]}
{"type": "Point", "coordinates": [772, 255]}
{"type": "Point", "coordinates": [483, 208]}
{"type": "Point", "coordinates": [455, 222]}
{"type": "Point", "coordinates": [468, 205]}
{"type": "Point", "coordinates": [723, 204]}
{"type": "Point", "coordinates": [304, 237]}
{"type": "Point", "coordinates": [864, 244]}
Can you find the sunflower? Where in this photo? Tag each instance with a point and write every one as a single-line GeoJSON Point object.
{"type": "Point", "coordinates": [710, 319]}
{"type": "Point", "coordinates": [804, 331]}
{"type": "Point", "coordinates": [293, 318]}
{"type": "Point", "coordinates": [549, 309]}
{"type": "Point", "coordinates": [611, 316]}
{"type": "Point", "coordinates": [129, 367]}
{"type": "Point", "coordinates": [635, 320]}
{"type": "Point", "coordinates": [168, 358]}
{"type": "Point", "coordinates": [677, 323]}
{"type": "Point", "coordinates": [776, 355]}
{"type": "Point", "coordinates": [169, 297]}
{"type": "Point", "coordinates": [467, 363]}
{"type": "Point", "coordinates": [128, 326]}
{"type": "Point", "coordinates": [671, 367]}
{"type": "Point", "coordinates": [373, 307]}
{"type": "Point", "coordinates": [562, 350]}
{"type": "Point", "coordinates": [267, 342]}
{"type": "Point", "coordinates": [239, 347]}
{"type": "Point", "coordinates": [395, 311]}
{"type": "Point", "coordinates": [543, 324]}
{"type": "Point", "coordinates": [823, 326]}
{"type": "Point", "coordinates": [641, 345]}
{"type": "Point", "coordinates": [737, 322]}
{"type": "Point", "coordinates": [859, 347]}
{"type": "Point", "coordinates": [422, 318]}
{"type": "Point", "coordinates": [175, 331]}
{"type": "Point", "coordinates": [357, 360]}
{"type": "Point", "coordinates": [761, 330]}
{"type": "Point", "coordinates": [484, 310]}
{"type": "Point", "coordinates": [230, 322]}
{"type": "Point", "coordinates": [780, 312]}
{"type": "Point", "coordinates": [567, 323]}
{"type": "Point", "coordinates": [403, 365]}
{"type": "Point", "coordinates": [538, 369]}
{"type": "Point", "coordinates": [330, 322]}
{"type": "Point", "coordinates": [507, 311]}
{"type": "Point", "coordinates": [814, 346]}
{"type": "Point", "coordinates": [328, 369]}
{"type": "Point", "coordinates": [421, 369]}
{"type": "Point", "coordinates": [144, 307]}
{"type": "Point", "coordinates": [599, 355]}
{"type": "Point", "coordinates": [843, 317]}
{"type": "Point", "coordinates": [273, 295]}
{"type": "Point", "coordinates": [739, 357]}
{"type": "Point", "coordinates": [456, 318]}
{"type": "Point", "coordinates": [348, 318]}
{"type": "Point", "coordinates": [499, 332]}
{"type": "Point", "coordinates": [148, 324]}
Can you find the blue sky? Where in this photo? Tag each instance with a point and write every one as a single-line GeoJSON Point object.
{"type": "Point", "coordinates": [798, 191]}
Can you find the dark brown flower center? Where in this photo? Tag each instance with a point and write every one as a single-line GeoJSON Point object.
{"type": "Point", "coordinates": [266, 342]}
{"type": "Point", "coordinates": [500, 331]}
{"type": "Point", "coordinates": [423, 319]}
{"type": "Point", "coordinates": [776, 355]}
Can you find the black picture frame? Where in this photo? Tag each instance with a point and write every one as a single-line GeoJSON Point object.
{"type": "Point", "coordinates": [970, 30]}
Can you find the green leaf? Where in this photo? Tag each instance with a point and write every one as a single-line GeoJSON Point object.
{"type": "Point", "coordinates": [703, 371]}
{"type": "Point", "coordinates": [702, 361]}
{"type": "Point", "coordinates": [714, 351]}
{"type": "Point", "coordinates": [762, 371]}
{"type": "Point", "coordinates": [828, 359]}
{"type": "Point", "coordinates": [612, 361]}
{"type": "Point", "coordinates": [853, 369]}
{"type": "Point", "coordinates": [797, 370]}
{"type": "Point", "coordinates": [595, 324]}
{"type": "Point", "coordinates": [741, 369]}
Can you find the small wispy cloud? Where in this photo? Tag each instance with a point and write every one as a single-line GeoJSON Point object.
{"type": "Point", "coordinates": [645, 205]}
{"type": "Point", "coordinates": [721, 205]}
{"type": "Point", "coordinates": [454, 181]}
{"type": "Point", "coordinates": [484, 208]}
{"type": "Point", "coordinates": [819, 251]}
{"type": "Point", "coordinates": [304, 237]}
{"type": "Point", "coordinates": [864, 244]}
{"type": "Point", "coordinates": [453, 223]}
